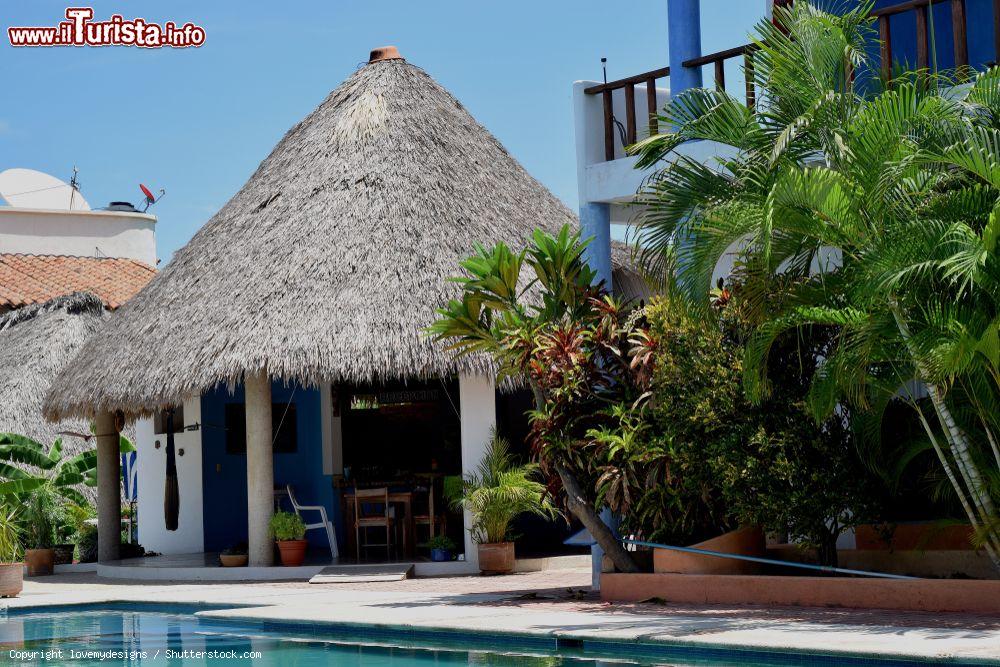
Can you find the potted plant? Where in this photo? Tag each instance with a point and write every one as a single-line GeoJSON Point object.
{"type": "Point", "coordinates": [496, 494]}
{"type": "Point", "coordinates": [441, 547]}
{"type": "Point", "coordinates": [234, 556]}
{"type": "Point", "coordinates": [289, 531]}
{"type": "Point", "coordinates": [40, 518]}
{"type": "Point", "coordinates": [11, 569]}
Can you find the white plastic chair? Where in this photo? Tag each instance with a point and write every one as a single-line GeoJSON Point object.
{"type": "Point", "coordinates": [324, 522]}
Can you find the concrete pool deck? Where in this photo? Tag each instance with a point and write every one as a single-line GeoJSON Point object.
{"type": "Point", "coordinates": [550, 603]}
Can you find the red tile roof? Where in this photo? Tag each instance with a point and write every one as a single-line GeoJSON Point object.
{"type": "Point", "coordinates": [28, 279]}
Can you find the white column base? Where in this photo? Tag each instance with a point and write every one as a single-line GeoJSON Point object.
{"type": "Point", "coordinates": [477, 402]}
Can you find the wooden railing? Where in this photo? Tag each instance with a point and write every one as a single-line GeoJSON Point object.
{"type": "Point", "coordinates": [718, 60]}
{"type": "Point", "coordinates": [921, 9]}
{"type": "Point", "coordinates": [606, 90]}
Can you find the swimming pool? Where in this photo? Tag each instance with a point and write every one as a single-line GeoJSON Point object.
{"type": "Point", "coordinates": [151, 634]}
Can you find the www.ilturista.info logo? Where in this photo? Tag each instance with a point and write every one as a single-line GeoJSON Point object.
{"type": "Point", "coordinates": [81, 30]}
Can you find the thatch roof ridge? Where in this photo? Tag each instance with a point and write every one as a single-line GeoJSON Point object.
{"type": "Point", "coordinates": [72, 304]}
{"type": "Point", "coordinates": [36, 343]}
{"type": "Point", "coordinates": [330, 261]}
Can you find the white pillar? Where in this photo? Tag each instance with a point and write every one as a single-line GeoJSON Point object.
{"type": "Point", "coordinates": [109, 499]}
{"type": "Point", "coordinates": [477, 403]}
{"type": "Point", "coordinates": [330, 425]}
{"type": "Point", "coordinates": [260, 469]}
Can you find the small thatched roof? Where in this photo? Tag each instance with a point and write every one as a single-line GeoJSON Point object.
{"type": "Point", "coordinates": [331, 260]}
{"type": "Point", "coordinates": [36, 342]}
{"type": "Point", "coordinates": [626, 278]}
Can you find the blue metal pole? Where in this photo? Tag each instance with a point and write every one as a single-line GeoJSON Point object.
{"type": "Point", "coordinates": [684, 34]}
{"type": "Point", "coordinates": [595, 225]}
{"type": "Point", "coordinates": [769, 561]}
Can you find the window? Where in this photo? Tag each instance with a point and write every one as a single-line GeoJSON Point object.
{"type": "Point", "coordinates": [285, 439]}
{"type": "Point", "coordinates": [160, 420]}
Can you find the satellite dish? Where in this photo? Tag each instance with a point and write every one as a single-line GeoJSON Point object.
{"type": "Point", "coordinates": [27, 188]}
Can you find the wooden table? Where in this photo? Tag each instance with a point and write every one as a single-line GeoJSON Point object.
{"type": "Point", "coordinates": [404, 498]}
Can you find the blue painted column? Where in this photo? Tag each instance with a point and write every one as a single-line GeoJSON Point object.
{"type": "Point", "coordinates": [684, 34]}
{"type": "Point", "coordinates": [595, 224]}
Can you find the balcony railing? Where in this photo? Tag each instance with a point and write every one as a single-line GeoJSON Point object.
{"type": "Point", "coordinates": [920, 8]}
{"type": "Point", "coordinates": [628, 85]}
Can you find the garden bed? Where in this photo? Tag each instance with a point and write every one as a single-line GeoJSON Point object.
{"type": "Point", "coordinates": [971, 596]}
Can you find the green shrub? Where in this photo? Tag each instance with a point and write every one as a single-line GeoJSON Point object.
{"type": "Point", "coordinates": [287, 526]}
{"type": "Point", "coordinates": [769, 464]}
{"type": "Point", "coordinates": [86, 545]}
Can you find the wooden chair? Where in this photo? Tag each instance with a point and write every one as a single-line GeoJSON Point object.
{"type": "Point", "coordinates": [430, 519]}
{"type": "Point", "coordinates": [371, 510]}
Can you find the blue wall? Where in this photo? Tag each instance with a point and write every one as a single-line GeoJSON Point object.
{"type": "Point", "coordinates": [225, 490]}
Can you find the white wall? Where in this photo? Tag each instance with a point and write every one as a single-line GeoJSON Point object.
{"type": "Point", "coordinates": [78, 233]}
{"type": "Point", "coordinates": [153, 535]}
{"type": "Point", "coordinates": [332, 433]}
{"type": "Point", "coordinates": [588, 123]}
{"type": "Point", "coordinates": [477, 404]}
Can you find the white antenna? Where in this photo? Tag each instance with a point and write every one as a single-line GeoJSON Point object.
{"type": "Point", "coordinates": [74, 185]}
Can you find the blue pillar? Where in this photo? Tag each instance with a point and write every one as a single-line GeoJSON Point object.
{"type": "Point", "coordinates": [595, 224]}
{"type": "Point", "coordinates": [684, 34]}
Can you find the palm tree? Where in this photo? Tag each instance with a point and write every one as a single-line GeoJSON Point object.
{"type": "Point", "coordinates": [869, 207]}
{"type": "Point", "coordinates": [498, 492]}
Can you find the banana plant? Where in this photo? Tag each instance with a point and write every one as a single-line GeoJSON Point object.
{"type": "Point", "coordinates": [26, 465]}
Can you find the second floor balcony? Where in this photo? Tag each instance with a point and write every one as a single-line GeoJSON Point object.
{"type": "Point", "coordinates": [961, 35]}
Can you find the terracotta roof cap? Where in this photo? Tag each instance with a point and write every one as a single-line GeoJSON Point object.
{"type": "Point", "coordinates": [384, 53]}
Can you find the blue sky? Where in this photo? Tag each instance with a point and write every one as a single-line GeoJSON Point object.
{"type": "Point", "coordinates": [197, 122]}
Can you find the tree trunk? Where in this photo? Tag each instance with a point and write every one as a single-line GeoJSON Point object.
{"type": "Point", "coordinates": [591, 520]}
{"type": "Point", "coordinates": [583, 510]}
{"type": "Point", "coordinates": [826, 550]}
{"type": "Point", "coordinates": [958, 445]}
{"type": "Point", "coordinates": [956, 485]}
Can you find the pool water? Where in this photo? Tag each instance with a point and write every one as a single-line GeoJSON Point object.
{"type": "Point", "coordinates": [173, 635]}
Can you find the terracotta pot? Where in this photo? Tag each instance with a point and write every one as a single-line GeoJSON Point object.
{"type": "Point", "coordinates": [293, 552]}
{"type": "Point", "coordinates": [11, 579]}
{"type": "Point", "coordinates": [233, 560]}
{"type": "Point", "coordinates": [63, 554]}
{"type": "Point", "coordinates": [39, 561]}
{"type": "Point", "coordinates": [497, 558]}
{"type": "Point", "coordinates": [742, 542]}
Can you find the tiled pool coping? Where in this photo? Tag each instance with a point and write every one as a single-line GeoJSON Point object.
{"type": "Point", "coordinates": [566, 642]}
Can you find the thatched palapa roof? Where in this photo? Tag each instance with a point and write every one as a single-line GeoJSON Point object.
{"type": "Point", "coordinates": [36, 343]}
{"type": "Point", "coordinates": [331, 260]}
